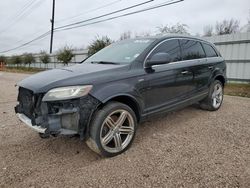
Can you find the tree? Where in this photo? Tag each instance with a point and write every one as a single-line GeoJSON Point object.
{"type": "Point", "coordinates": [227, 27]}
{"type": "Point", "coordinates": [125, 35]}
{"type": "Point", "coordinates": [2, 59]}
{"type": "Point", "coordinates": [177, 28]}
{"type": "Point", "coordinates": [44, 57]}
{"type": "Point", "coordinates": [28, 58]}
{"type": "Point", "coordinates": [142, 34]}
{"type": "Point", "coordinates": [98, 44]}
{"type": "Point", "coordinates": [65, 55]}
{"type": "Point", "coordinates": [208, 31]}
{"type": "Point", "coordinates": [15, 60]}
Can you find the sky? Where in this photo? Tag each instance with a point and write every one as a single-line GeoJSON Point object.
{"type": "Point", "coordinates": [17, 29]}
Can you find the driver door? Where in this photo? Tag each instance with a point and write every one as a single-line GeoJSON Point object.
{"type": "Point", "coordinates": [168, 83]}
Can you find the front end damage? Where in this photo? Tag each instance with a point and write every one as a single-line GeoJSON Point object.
{"type": "Point", "coordinates": [67, 117]}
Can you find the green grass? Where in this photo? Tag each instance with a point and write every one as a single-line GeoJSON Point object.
{"type": "Point", "coordinates": [23, 69]}
{"type": "Point", "coordinates": [242, 90]}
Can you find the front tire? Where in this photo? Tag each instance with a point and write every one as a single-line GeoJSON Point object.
{"type": "Point", "coordinates": [112, 130]}
{"type": "Point", "coordinates": [215, 97]}
{"type": "Point", "coordinates": [43, 135]}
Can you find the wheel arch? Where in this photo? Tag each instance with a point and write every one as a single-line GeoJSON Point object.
{"type": "Point", "coordinates": [128, 100]}
{"type": "Point", "coordinates": [221, 78]}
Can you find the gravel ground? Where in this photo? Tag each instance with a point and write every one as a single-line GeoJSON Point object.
{"type": "Point", "coordinates": [187, 148]}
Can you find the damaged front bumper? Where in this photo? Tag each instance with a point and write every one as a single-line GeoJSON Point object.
{"type": "Point", "coordinates": [66, 117]}
{"type": "Point", "coordinates": [27, 122]}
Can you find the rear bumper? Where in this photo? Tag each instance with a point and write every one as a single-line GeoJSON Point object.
{"type": "Point", "coordinates": [27, 121]}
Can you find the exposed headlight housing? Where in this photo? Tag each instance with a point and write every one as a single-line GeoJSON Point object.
{"type": "Point", "coordinates": [69, 92]}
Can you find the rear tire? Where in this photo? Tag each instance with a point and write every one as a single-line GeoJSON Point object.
{"type": "Point", "coordinates": [112, 129]}
{"type": "Point", "coordinates": [215, 97]}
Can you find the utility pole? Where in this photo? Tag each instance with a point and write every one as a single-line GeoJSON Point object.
{"type": "Point", "coordinates": [52, 26]}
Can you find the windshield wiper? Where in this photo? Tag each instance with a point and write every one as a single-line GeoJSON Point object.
{"type": "Point", "coordinates": [104, 62]}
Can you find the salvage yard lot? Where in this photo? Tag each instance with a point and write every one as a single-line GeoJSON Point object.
{"type": "Point", "coordinates": [187, 148]}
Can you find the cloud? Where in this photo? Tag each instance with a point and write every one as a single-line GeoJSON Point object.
{"type": "Point", "coordinates": [196, 14]}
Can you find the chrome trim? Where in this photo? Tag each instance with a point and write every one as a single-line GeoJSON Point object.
{"type": "Point", "coordinates": [199, 40]}
{"type": "Point", "coordinates": [184, 72]}
{"type": "Point", "coordinates": [27, 121]}
{"type": "Point", "coordinates": [184, 61]}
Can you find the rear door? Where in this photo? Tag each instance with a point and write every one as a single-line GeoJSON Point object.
{"type": "Point", "coordinates": [211, 60]}
{"type": "Point", "coordinates": [194, 56]}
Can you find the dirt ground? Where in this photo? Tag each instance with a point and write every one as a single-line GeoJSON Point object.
{"type": "Point", "coordinates": [187, 148]}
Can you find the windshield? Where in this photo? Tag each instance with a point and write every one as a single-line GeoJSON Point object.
{"type": "Point", "coordinates": [123, 52]}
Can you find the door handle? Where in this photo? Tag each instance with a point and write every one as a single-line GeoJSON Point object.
{"type": "Point", "coordinates": [184, 72]}
{"type": "Point", "coordinates": [210, 67]}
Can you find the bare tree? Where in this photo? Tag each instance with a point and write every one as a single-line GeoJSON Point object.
{"type": "Point", "coordinates": [125, 35]}
{"type": "Point", "coordinates": [177, 28]}
{"type": "Point", "coordinates": [227, 27]}
{"type": "Point", "coordinates": [142, 34]}
{"type": "Point", "coordinates": [208, 31]}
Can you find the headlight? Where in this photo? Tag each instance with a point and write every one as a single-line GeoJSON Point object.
{"type": "Point", "coordinates": [70, 92]}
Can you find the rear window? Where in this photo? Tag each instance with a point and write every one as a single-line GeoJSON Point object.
{"type": "Point", "coordinates": [209, 50]}
{"type": "Point", "coordinates": [191, 50]}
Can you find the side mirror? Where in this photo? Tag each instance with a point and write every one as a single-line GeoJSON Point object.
{"type": "Point", "coordinates": [158, 59]}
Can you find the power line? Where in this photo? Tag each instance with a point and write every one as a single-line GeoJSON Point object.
{"type": "Point", "coordinates": [29, 4]}
{"type": "Point", "coordinates": [25, 11]}
{"type": "Point", "coordinates": [89, 11]}
{"type": "Point", "coordinates": [136, 5]}
{"type": "Point", "coordinates": [114, 12]}
{"type": "Point", "coordinates": [29, 42]}
{"type": "Point", "coordinates": [12, 19]}
{"type": "Point", "coordinates": [63, 28]}
{"type": "Point", "coordinates": [32, 8]}
{"type": "Point", "coordinates": [104, 15]}
{"type": "Point", "coordinates": [18, 12]}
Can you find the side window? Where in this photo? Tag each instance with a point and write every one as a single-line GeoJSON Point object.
{"type": "Point", "coordinates": [171, 47]}
{"type": "Point", "coordinates": [209, 50]}
{"type": "Point", "coordinates": [191, 50]}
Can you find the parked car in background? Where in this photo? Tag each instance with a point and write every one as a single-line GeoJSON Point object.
{"type": "Point", "coordinates": [104, 98]}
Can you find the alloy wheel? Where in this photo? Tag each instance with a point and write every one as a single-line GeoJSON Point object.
{"type": "Point", "coordinates": [217, 95]}
{"type": "Point", "coordinates": [117, 131]}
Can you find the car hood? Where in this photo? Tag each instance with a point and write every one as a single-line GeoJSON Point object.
{"type": "Point", "coordinates": [74, 75]}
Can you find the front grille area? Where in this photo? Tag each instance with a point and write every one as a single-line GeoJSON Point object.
{"type": "Point", "coordinates": [27, 102]}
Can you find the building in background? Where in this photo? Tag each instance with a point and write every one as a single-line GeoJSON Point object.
{"type": "Point", "coordinates": [235, 48]}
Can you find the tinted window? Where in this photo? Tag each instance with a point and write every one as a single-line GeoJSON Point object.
{"type": "Point", "coordinates": [171, 47]}
{"type": "Point", "coordinates": [191, 50]}
{"type": "Point", "coordinates": [209, 50]}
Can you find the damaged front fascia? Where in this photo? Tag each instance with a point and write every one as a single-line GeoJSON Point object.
{"type": "Point", "coordinates": [88, 106]}
{"type": "Point", "coordinates": [56, 115]}
{"type": "Point", "coordinates": [75, 112]}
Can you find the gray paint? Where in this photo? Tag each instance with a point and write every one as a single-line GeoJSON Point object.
{"type": "Point", "coordinates": [235, 48]}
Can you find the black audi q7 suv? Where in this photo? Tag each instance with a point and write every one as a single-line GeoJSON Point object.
{"type": "Point", "coordinates": [105, 97]}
